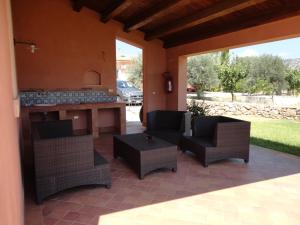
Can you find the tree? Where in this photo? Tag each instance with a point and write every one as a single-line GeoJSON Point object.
{"type": "Point", "coordinates": [202, 72]}
{"type": "Point", "coordinates": [293, 79]}
{"type": "Point", "coordinates": [135, 71]}
{"type": "Point", "coordinates": [225, 57]}
{"type": "Point", "coordinates": [248, 63]}
{"type": "Point", "coordinates": [273, 70]}
{"type": "Point", "coordinates": [266, 74]}
{"type": "Point", "coordinates": [230, 74]}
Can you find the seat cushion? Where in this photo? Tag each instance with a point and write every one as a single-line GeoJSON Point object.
{"type": "Point", "coordinates": [167, 135]}
{"type": "Point", "coordinates": [204, 142]}
{"type": "Point", "coordinates": [169, 120]}
{"type": "Point", "coordinates": [54, 129]}
{"type": "Point", "coordinates": [205, 126]}
{"type": "Point", "coordinates": [99, 159]}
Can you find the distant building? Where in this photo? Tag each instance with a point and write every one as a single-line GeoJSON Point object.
{"type": "Point", "coordinates": [123, 63]}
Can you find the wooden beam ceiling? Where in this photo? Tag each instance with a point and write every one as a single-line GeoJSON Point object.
{"type": "Point", "coordinates": [199, 33]}
{"type": "Point", "coordinates": [152, 14]}
{"type": "Point", "coordinates": [78, 4]}
{"type": "Point", "coordinates": [219, 17]}
{"type": "Point", "coordinates": [115, 8]}
{"type": "Point", "coordinates": [218, 10]}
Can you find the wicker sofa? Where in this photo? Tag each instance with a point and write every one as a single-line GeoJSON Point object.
{"type": "Point", "coordinates": [169, 125]}
{"type": "Point", "coordinates": [63, 160]}
{"type": "Point", "coordinates": [216, 138]}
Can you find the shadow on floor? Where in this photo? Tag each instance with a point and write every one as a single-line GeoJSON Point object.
{"type": "Point", "coordinates": [295, 150]}
{"type": "Point", "coordinates": [85, 204]}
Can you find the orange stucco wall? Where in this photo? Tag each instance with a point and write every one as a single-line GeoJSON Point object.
{"type": "Point", "coordinates": [11, 191]}
{"type": "Point", "coordinates": [72, 43]}
{"type": "Point", "coordinates": [176, 56]}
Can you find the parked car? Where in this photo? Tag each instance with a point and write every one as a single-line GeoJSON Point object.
{"type": "Point", "coordinates": [128, 93]}
{"type": "Point", "coordinates": [190, 88]}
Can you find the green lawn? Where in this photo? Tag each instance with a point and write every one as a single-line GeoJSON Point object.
{"type": "Point", "coordinates": [280, 135]}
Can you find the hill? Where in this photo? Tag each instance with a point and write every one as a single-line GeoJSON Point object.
{"type": "Point", "coordinates": [293, 63]}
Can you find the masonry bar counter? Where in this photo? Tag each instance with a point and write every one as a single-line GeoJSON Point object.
{"type": "Point", "coordinates": [90, 118]}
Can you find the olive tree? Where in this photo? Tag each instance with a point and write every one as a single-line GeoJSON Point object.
{"type": "Point", "coordinates": [135, 71]}
{"type": "Point", "coordinates": [230, 74]}
{"type": "Point", "coordinates": [202, 72]}
{"type": "Point", "coordinates": [293, 79]}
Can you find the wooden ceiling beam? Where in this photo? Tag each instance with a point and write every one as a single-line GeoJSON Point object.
{"type": "Point", "coordinates": [78, 4]}
{"type": "Point", "coordinates": [215, 11]}
{"type": "Point", "coordinates": [154, 13]}
{"type": "Point", "coordinates": [198, 34]}
{"type": "Point", "coordinates": [114, 9]}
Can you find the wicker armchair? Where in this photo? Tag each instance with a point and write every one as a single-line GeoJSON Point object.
{"type": "Point", "coordinates": [169, 125]}
{"type": "Point", "coordinates": [64, 161]}
{"type": "Point", "coordinates": [216, 137]}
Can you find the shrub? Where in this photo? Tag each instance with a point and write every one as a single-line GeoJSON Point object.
{"type": "Point", "coordinates": [197, 109]}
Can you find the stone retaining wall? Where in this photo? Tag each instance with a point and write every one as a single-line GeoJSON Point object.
{"type": "Point", "coordinates": [236, 109]}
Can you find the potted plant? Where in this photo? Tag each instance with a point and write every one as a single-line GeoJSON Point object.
{"type": "Point", "coordinates": [197, 109]}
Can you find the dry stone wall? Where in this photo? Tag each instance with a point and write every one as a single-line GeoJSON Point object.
{"type": "Point", "coordinates": [236, 109]}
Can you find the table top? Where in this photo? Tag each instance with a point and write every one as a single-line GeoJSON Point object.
{"type": "Point", "coordinates": [140, 142]}
{"type": "Point", "coordinates": [58, 107]}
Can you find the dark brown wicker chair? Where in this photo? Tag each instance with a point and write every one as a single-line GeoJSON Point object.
{"type": "Point", "coordinates": [216, 138]}
{"type": "Point", "coordinates": [64, 161]}
{"type": "Point", "coordinates": [169, 125]}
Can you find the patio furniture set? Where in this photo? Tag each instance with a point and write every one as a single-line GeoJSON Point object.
{"type": "Point", "coordinates": [63, 160]}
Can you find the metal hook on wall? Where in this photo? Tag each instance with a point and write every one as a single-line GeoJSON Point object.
{"type": "Point", "coordinates": [32, 45]}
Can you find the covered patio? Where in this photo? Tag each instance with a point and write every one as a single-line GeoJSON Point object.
{"type": "Point", "coordinates": [266, 191]}
{"type": "Point", "coordinates": [63, 46]}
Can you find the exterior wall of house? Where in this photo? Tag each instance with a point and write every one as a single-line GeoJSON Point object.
{"type": "Point", "coordinates": [71, 43]}
{"type": "Point", "coordinates": [11, 191]}
{"type": "Point", "coordinates": [283, 29]}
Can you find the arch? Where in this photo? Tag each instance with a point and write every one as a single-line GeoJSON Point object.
{"type": "Point", "coordinates": [91, 78]}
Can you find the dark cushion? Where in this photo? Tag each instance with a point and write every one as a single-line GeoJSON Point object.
{"type": "Point", "coordinates": [166, 120]}
{"type": "Point", "coordinates": [182, 124]}
{"type": "Point", "coordinates": [224, 119]}
{"type": "Point", "coordinates": [54, 129]}
{"type": "Point", "coordinates": [99, 159]}
{"type": "Point", "coordinates": [201, 141]}
{"type": "Point", "coordinates": [204, 126]}
{"type": "Point", "coordinates": [171, 136]}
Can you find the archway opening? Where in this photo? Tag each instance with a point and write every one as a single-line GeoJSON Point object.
{"type": "Point", "coordinates": [258, 83]}
{"type": "Point", "coordinates": [129, 63]}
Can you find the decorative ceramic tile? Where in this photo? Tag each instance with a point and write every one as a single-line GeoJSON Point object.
{"type": "Point", "coordinates": [65, 97]}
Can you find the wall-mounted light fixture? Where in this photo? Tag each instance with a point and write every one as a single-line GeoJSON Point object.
{"type": "Point", "coordinates": [32, 45]}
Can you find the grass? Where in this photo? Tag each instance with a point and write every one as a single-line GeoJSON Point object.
{"type": "Point", "coordinates": [279, 135]}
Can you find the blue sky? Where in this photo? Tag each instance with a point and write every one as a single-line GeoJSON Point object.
{"type": "Point", "coordinates": [287, 49]}
{"type": "Point", "coordinates": [126, 49]}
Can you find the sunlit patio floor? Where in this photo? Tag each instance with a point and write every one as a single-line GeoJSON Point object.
{"type": "Point", "coordinates": [265, 191]}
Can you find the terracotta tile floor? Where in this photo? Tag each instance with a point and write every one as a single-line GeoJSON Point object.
{"type": "Point", "coordinates": [265, 191]}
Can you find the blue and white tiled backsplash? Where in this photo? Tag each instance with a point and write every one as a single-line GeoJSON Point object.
{"type": "Point", "coordinates": [29, 98]}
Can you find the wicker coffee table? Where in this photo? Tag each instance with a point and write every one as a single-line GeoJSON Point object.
{"type": "Point", "coordinates": [145, 155]}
